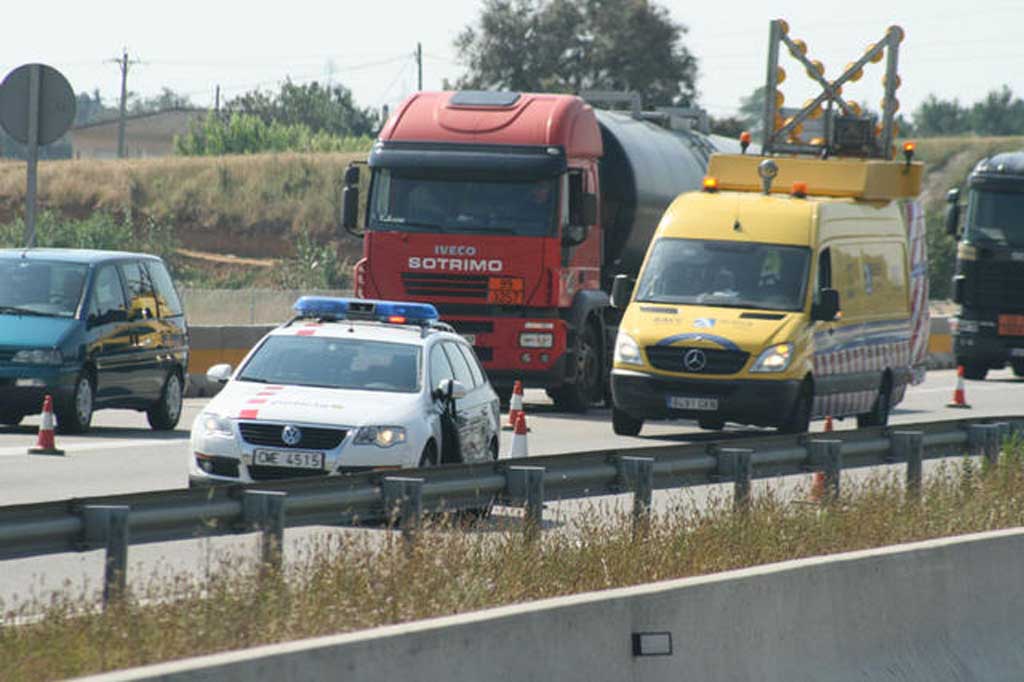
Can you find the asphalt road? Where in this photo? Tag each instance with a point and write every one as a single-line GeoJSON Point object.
{"type": "Point", "coordinates": [121, 455]}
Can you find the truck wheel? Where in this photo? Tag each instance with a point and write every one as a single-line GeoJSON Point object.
{"type": "Point", "coordinates": [879, 414]}
{"type": "Point", "coordinates": [75, 415]}
{"type": "Point", "coordinates": [586, 388]}
{"type": "Point", "coordinates": [10, 418]}
{"type": "Point", "coordinates": [800, 418]}
{"type": "Point", "coordinates": [165, 412]}
{"type": "Point", "coordinates": [1018, 367]}
{"type": "Point", "coordinates": [624, 424]}
{"type": "Point", "coordinates": [975, 371]}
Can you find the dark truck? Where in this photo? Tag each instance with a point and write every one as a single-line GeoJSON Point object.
{"type": "Point", "coordinates": [988, 332]}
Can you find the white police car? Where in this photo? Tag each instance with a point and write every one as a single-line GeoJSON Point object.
{"type": "Point", "coordinates": [347, 385]}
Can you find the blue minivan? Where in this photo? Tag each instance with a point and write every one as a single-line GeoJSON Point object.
{"type": "Point", "coordinates": [94, 329]}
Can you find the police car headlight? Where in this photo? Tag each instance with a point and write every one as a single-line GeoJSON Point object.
{"type": "Point", "coordinates": [626, 350]}
{"type": "Point", "coordinates": [774, 358]}
{"type": "Point", "coordinates": [211, 424]}
{"type": "Point", "coordinates": [381, 436]}
{"type": "Point", "coordinates": [39, 357]}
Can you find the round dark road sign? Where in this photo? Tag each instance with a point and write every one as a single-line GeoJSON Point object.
{"type": "Point", "coordinates": [56, 103]}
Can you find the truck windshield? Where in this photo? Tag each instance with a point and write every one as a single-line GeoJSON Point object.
{"type": "Point", "coordinates": [729, 274]}
{"type": "Point", "coordinates": [996, 217]}
{"type": "Point", "coordinates": [34, 287]}
{"type": "Point", "coordinates": [326, 362]}
{"type": "Point", "coordinates": [458, 204]}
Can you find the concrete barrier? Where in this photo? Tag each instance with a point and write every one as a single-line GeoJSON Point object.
{"type": "Point", "coordinates": [215, 344]}
{"type": "Point", "coordinates": [949, 609]}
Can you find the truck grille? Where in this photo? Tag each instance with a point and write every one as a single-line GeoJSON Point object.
{"type": "Point", "coordinates": [670, 359]}
{"type": "Point", "coordinates": [444, 284]}
{"type": "Point", "coordinates": [256, 433]}
{"type": "Point", "coordinates": [472, 326]}
{"type": "Point", "coordinates": [999, 285]}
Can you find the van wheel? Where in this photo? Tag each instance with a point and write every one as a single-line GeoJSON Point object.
{"type": "Point", "coordinates": [975, 371]}
{"type": "Point", "coordinates": [165, 413]}
{"type": "Point", "coordinates": [800, 418]}
{"type": "Point", "coordinates": [624, 424]}
{"type": "Point", "coordinates": [587, 387]}
{"type": "Point", "coordinates": [1018, 367]}
{"type": "Point", "coordinates": [879, 414]}
{"type": "Point", "coordinates": [75, 415]}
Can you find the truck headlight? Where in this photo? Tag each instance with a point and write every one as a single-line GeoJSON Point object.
{"type": "Point", "coordinates": [212, 424]}
{"type": "Point", "coordinates": [626, 350]}
{"type": "Point", "coordinates": [536, 340]}
{"type": "Point", "coordinates": [962, 326]}
{"type": "Point", "coordinates": [381, 436]}
{"type": "Point", "coordinates": [774, 358]}
{"type": "Point", "coordinates": [41, 356]}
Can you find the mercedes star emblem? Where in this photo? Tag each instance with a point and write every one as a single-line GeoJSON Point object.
{"type": "Point", "coordinates": [291, 435]}
{"type": "Point", "coordinates": [695, 360]}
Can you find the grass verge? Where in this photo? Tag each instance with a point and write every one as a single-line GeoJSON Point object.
{"type": "Point", "coordinates": [354, 581]}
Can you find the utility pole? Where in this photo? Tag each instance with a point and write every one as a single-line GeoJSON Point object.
{"type": "Point", "coordinates": [216, 101]}
{"type": "Point", "coordinates": [124, 63]}
{"type": "Point", "coordinates": [419, 66]}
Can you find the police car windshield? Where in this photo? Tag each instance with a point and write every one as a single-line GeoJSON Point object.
{"type": "Point", "coordinates": [728, 274]}
{"type": "Point", "coordinates": [995, 217]}
{"type": "Point", "coordinates": [459, 204]}
{"type": "Point", "coordinates": [326, 362]}
{"type": "Point", "coordinates": [45, 288]}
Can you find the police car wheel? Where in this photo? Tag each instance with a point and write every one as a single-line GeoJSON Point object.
{"type": "Point", "coordinates": [429, 456]}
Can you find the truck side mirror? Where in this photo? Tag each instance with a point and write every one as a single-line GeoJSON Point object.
{"type": "Point", "coordinates": [582, 211]}
{"type": "Point", "coordinates": [827, 307]}
{"type": "Point", "coordinates": [352, 175]}
{"type": "Point", "coordinates": [959, 284]}
{"type": "Point", "coordinates": [350, 208]}
{"type": "Point", "coordinates": [953, 212]}
{"type": "Point", "coordinates": [622, 291]}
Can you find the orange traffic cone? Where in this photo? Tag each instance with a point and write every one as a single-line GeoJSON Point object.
{"type": "Point", "coordinates": [817, 492]}
{"type": "Point", "coordinates": [515, 406]}
{"type": "Point", "coordinates": [959, 399]}
{"type": "Point", "coordinates": [519, 448]}
{"type": "Point", "coordinates": [45, 444]}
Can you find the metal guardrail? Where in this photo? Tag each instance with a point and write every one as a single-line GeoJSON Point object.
{"type": "Point", "coordinates": [114, 522]}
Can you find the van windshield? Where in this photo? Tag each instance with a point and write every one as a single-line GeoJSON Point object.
{"type": "Point", "coordinates": [729, 274]}
{"type": "Point", "coordinates": [37, 287]}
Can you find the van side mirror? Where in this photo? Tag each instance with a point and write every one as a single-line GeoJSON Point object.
{"type": "Point", "coordinates": [450, 389]}
{"type": "Point", "coordinates": [959, 286]}
{"type": "Point", "coordinates": [219, 373]}
{"type": "Point", "coordinates": [953, 212]}
{"type": "Point", "coordinates": [622, 291]}
{"type": "Point", "coordinates": [827, 307]}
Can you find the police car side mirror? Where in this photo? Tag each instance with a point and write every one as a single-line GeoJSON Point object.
{"type": "Point", "coordinates": [622, 291]}
{"type": "Point", "coordinates": [219, 373]}
{"type": "Point", "coordinates": [827, 307]}
{"type": "Point", "coordinates": [450, 389]}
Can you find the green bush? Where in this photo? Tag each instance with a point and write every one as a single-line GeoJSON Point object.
{"type": "Point", "coordinates": [315, 266]}
{"type": "Point", "coordinates": [249, 134]}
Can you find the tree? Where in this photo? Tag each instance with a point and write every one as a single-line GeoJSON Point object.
{"type": "Point", "coordinates": [940, 117]}
{"type": "Point", "coordinates": [167, 99]}
{"type": "Point", "coordinates": [752, 111]}
{"type": "Point", "coordinates": [998, 114]}
{"type": "Point", "coordinates": [322, 108]}
{"type": "Point", "coordinates": [566, 46]}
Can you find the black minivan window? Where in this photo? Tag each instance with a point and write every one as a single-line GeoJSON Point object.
{"type": "Point", "coordinates": [166, 296]}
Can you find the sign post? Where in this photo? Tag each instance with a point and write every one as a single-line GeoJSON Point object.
{"type": "Point", "coordinates": [37, 106]}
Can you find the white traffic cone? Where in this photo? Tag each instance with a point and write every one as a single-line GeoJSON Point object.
{"type": "Point", "coordinates": [515, 406]}
{"type": "Point", "coordinates": [45, 443]}
{"type": "Point", "coordinates": [519, 448]}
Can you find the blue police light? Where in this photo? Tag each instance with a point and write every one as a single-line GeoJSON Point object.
{"type": "Point", "coordinates": [395, 312]}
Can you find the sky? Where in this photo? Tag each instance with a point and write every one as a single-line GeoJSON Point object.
{"type": "Point", "coordinates": [953, 49]}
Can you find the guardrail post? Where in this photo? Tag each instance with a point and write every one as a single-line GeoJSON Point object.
{"type": "Point", "coordinates": [108, 525]}
{"type": "Point", "coordinates": [403, 498]}
{"type": "Point", "coordinates": [637, 474]}
{"type": "Point", "coordinates": [743, 473]}
{"type": "Point", "coordinates": [908, 446]}
{"type": "Point", "coordinates": [984, 439]}
{"type": "Point", "coordinates": [827, 455]}
{"type": "Point", "coordinates": [263, 510]}
{"type": "Point", "coordinates": [525, 485]}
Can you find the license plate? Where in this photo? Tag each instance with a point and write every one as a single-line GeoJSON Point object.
{"type": "Point", "coordinates": [471, 338]}
{"type": "Point", "coordinates": [1011, 325]}
{"type": "Point", "coordinates": [683, 403]}
{"type": "Point", "coordinates": [290, 459]}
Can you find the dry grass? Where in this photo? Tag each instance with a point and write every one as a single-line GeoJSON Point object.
{"type": "Point", "coordinates": [350, 582]}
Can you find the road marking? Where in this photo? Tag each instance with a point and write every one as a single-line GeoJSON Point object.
{"type": "Point", "coordinates": [87, 446]}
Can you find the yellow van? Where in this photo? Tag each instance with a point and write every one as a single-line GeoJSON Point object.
{"type": "Point", "coordinates": [779, 294]}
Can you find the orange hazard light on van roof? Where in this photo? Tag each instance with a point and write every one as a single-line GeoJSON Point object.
{"type": "Point", "coordinates": [710, 183]}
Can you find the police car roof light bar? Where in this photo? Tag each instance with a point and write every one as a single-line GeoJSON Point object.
{"type": "Point", "coordinates": [336, 308]}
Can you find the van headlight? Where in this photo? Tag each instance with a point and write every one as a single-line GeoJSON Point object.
{"type": "Point", "coordinates": [626, 350]}
{"type": "Point", "coordinates": [774, 358]}
{"type": "Point", "coordinates": [381, 436]}
{"type": "Point", "coordinates": [49, 356]}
